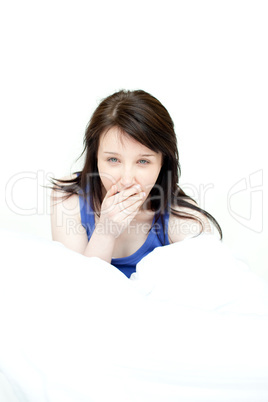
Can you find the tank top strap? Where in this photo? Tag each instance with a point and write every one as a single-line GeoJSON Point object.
{"type": "Point", "coordinates": [87, 214]}
{"type": "Point", "coordinates": [165, 229]}
{"type": "Point", "coordinates": [160, 227]}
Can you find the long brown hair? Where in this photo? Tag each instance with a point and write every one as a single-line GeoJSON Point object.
{"type": "Point", "coordinates": [147, 121]}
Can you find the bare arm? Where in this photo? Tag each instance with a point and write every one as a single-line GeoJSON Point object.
{"type": "Point", "coordinates": [182, 228]}
{"type": "Point", "coordinates": [66, 224]}
{"type": "Point", "coordinates": [67, 229]}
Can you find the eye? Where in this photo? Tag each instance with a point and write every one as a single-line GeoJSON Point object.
{"type": "Point", "coordinates": [113, 160]}
{"type": "Point", "coordinates": [143, 162]}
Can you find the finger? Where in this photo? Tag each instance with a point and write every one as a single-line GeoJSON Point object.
{"type": "Point", "coordinates": [127, 215]}
{"type": "Point", "coordinates": [118, 188]}
{"type": "Point", "coordinates": [129, 204]}
{"type": "Point", "coordinates": [112, 191]}
{"type": "Point", "coordinates": [128, 192]}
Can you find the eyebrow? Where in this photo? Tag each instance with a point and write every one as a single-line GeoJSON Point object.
{"type": "Point", "coordinates": [116, 153]}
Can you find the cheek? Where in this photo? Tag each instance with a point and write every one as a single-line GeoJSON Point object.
{"type": "Point", "coordinates": [148, 180]}
{"type": "Point", "coordinates": [107, 176]}
{"type": "Point", "coordinates": [108, 180]}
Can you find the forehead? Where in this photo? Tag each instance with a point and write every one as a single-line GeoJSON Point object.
{"type": "Point", "coordinates": [116, 139]}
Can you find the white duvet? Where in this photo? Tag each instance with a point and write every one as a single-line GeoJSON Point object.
{"type": "Point", "coordinates": [190, 325]}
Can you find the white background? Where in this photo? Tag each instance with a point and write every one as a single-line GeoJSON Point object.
{"type": "Point", "coordinates": [206, 61]}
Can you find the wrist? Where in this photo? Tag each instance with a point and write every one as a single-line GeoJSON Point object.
{"type": "Point", "coordinates": [107, 229]}
{"type": "Point", "coordinates": [101, 244]}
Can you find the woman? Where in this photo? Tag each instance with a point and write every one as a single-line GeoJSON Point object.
{"type": "Point", "coordinates": [126, 201]}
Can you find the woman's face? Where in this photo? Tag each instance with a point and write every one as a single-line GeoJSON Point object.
{"type": "Point", "coordinates": [125, 161]}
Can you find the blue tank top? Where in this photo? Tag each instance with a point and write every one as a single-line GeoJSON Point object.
{"type": "Point", "coordinates": [157, 237]}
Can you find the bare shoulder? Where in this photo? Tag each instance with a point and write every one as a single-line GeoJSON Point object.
{"type": "Point", "coordinates": [65, 202]}
{"type": "Point", "coordinates": [62, 179]}
{"type": "Point", "coordinates": [65, 216]}
{"type": "Point", "coordinates": [60, 197]}
{"type": "Point", "coordinates": [180, 227]}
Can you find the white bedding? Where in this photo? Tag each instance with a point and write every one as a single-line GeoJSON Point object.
{"type": "Point", "coordinates": [191, 325]}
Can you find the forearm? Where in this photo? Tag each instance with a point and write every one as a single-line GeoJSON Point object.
{"type": "Point", "coordinates": [100, 245]}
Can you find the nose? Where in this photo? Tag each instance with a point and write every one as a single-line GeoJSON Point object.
{"type": "Point", "coordinates": [127, 178]}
